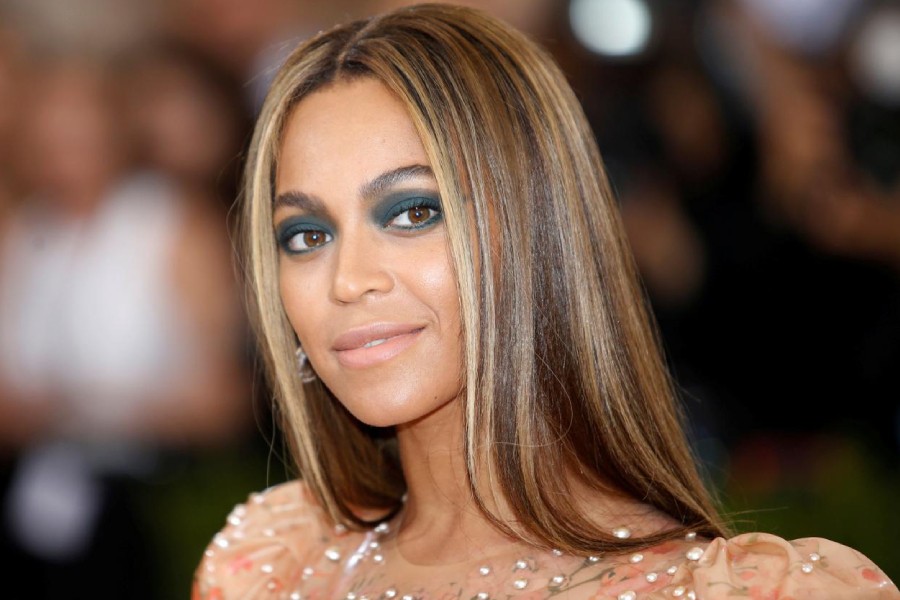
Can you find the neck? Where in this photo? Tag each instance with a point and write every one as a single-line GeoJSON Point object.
{"type": "Point", "coordinates": [442, 525]}
{"type": "Point", "coordinates": [441, 522]}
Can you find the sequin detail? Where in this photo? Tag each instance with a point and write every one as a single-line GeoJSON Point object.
{"type": "Point", "coordinates": [694, 554]}
{"type": "Point", "coordinates": [275, 548]}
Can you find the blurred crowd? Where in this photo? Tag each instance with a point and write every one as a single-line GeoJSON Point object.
{"type": "Point", "coordinates": [755, 149]}
{"type": "Point", "coordinates": [758, 167]}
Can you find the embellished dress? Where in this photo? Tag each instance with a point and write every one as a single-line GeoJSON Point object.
{"type": "Point", "coordinates": [280, 546]}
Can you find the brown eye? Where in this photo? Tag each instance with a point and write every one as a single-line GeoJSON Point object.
{"type": "Point", "coordinates": [311, 239]}
{"type": "Point", "coordinates": [299, 242]}
{"type": "Point", "coordinates": [414, 213]}
{"type": "Point", "coordinates": [419, 214]}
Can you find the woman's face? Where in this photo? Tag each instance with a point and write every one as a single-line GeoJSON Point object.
{"type": "Point", "coordinates": [365, 272]}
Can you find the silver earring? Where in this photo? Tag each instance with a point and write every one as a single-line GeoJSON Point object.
{"type": "Point", "coordinates": [304, 368]}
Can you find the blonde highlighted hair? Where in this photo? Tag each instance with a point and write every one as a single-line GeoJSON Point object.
{"type": "Point", "coordinates": [564, 379]}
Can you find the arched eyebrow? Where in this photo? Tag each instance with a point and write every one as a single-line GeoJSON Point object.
{"type": "Point", "coordinates": [384, 182]}
{"type": "Point", "coordinates": [300, 200]}
{"type": "Point", "coordinates": [369, 190]}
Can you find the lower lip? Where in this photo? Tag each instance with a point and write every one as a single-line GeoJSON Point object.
{"type": "Point", "coordinates": [360, 358]}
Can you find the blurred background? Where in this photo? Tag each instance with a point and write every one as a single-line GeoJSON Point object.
{"type": "Point", "coordinates": [755, 149]}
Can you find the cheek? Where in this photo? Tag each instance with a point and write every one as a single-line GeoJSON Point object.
{"type": "Point", "coordinates": [437, 283]}
{"type": "Point", "coordinates": [298, 301]}
{"type": "Point", "coordinates": [433, 279]}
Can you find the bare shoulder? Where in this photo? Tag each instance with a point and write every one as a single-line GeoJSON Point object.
{"type": "Point", "coordinates": [762, 565]}
{"type": "Point", "coordinates": [279, 544]}
{"type": "Point", "coordinates": [757, 566]}
{"type": "Point", "coordinates": [262, 544]}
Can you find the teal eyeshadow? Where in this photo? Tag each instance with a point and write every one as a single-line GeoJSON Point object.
{"type": "Point", "coordinates": [395, 204]}
{"type": "Point", "coordinates": [293, 226]}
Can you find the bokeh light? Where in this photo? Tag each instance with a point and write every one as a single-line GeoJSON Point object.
{"type": "Point", "coordinates": [612, 28]}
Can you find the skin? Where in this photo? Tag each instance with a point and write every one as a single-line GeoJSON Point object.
{"type": "Point", "coordinates": [336, 141]}
{"type": "Point", "coordinates": [346, 260]}
{"type": "Point", "coordinates": [365, 268]}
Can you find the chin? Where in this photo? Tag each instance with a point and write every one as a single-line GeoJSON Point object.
{"type": "Point", "coordinates": [391, 409]}
{"type": "Point", "coordinates": [382, 419]}
{"type": "Point", "coordinates": [387, 414]}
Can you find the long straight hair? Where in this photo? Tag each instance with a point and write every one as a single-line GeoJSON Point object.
{"type": "Point", "coordinates": [564, 378]}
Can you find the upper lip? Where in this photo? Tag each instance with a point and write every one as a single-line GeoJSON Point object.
{"type": "Point", "coordinates": [360, 336]}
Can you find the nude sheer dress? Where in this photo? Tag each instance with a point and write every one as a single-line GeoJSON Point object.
{"type": "Point", "coordinates": [279, 545]}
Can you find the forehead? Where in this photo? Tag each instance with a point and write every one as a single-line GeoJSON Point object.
{"type": "Point", "coordinates": [344, 134]}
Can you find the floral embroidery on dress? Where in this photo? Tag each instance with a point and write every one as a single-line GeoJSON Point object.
{"type": "Point", "coordinates": [280, 546]}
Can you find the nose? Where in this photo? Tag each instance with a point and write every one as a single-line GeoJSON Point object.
{"type": "Point", "coordinates": [360, 270]}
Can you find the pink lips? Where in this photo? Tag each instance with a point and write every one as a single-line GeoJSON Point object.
{"type": "Point", "coordinates": [390, 339]}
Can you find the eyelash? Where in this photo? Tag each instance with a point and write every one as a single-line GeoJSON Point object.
{"type": "Point", "coordinates": [410, 204]}
{"type": "Point", "coordinates": [294, 231]}
{"type": "Point", "coordinates": [287, 236]}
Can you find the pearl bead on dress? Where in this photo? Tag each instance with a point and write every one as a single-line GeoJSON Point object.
{"type": "Point", "coordinates": [287, 550]}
